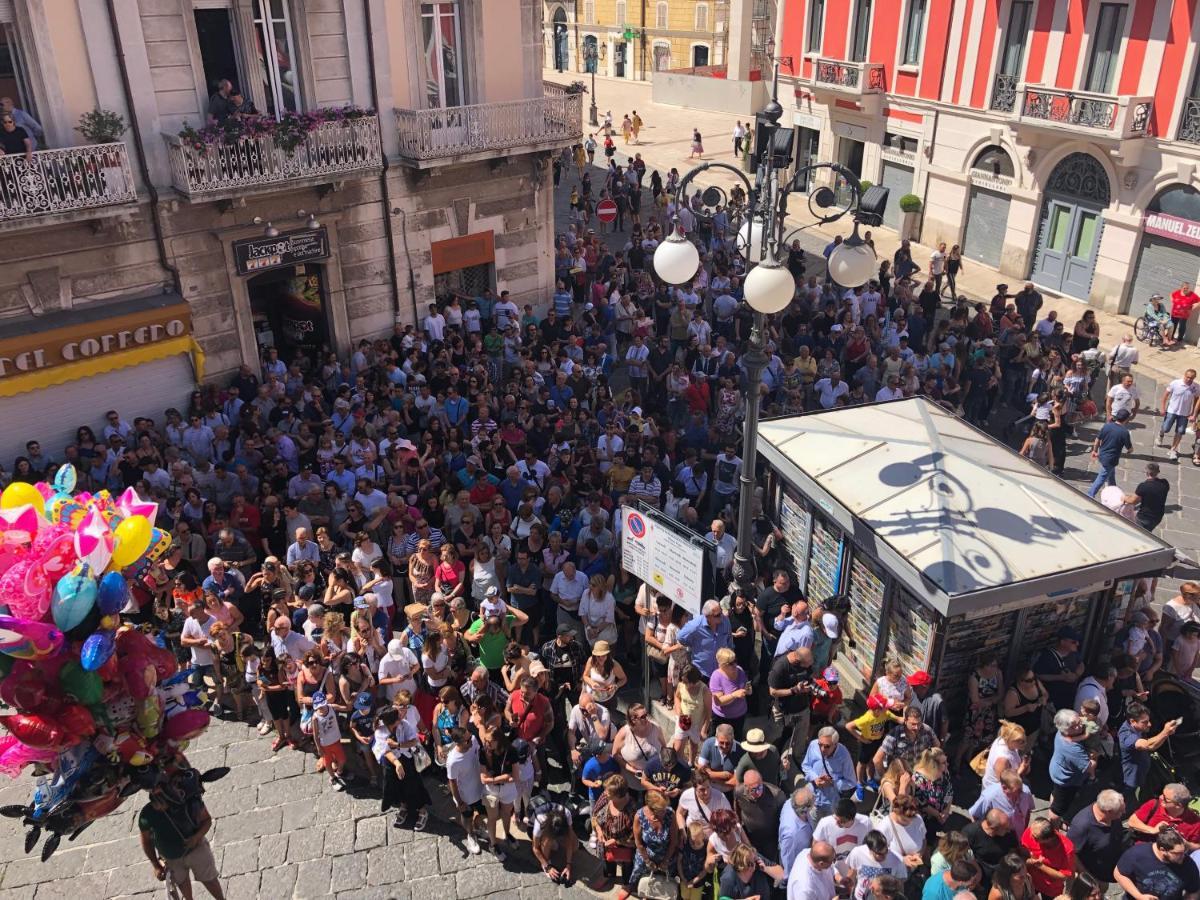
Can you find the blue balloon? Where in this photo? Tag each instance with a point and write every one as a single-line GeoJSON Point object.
{"type": "Point", "coordinates": [74, 597]}
{"type": "Point", "coordinates": [96, 650]}
{"type": "Point", "coordinates": [112, 594]}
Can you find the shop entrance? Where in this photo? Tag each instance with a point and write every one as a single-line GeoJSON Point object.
{"type": "Point", "coordinates": [289, 312]}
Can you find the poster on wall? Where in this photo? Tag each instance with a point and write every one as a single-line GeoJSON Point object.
{"type": "Point", "coordinates": [824, 562]}
{"type": "Point", "coordinates": [910, 632]}
{"type": "Point", "coordinates": [662, 555]}
{"type": "Point", "coordinates": [866, 614]}
{"type": "Point", "coordinates": [794, 522]}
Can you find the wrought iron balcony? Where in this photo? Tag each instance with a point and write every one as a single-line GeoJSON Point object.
{"type": "Point", "coordinates": [1189, 126]}
{"type": "Point", "coordinates": [209, 171]}
{"type": "Point", "coordinates": [66, 180]}
{"type": "Point", "coordinates": [1102, 115]}
{"type": "Point", "coordinates": [848, 77]}
{"type": "Point", "coordinates": [1004, 92]}
{"type": "Point", "coordinates": [433, 137]}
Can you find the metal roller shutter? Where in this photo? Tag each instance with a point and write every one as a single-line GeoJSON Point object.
{"type": "Point", "coordinates": [899, 180]}
{"type": "Point", "coordinates": [52, 414]}
{"type": "Point", "coordinates": [987, 220]}
{"type": "Point", "coordinates": [1162, 265]}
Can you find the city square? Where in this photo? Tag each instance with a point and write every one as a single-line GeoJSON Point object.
{"type": "Point", "coordinates": [581, 448]}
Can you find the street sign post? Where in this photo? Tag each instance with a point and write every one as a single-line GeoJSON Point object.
{"type": "Point", "coordinates": [606, 211]}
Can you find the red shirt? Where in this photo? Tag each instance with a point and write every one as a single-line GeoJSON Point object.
{"type": "Point", "coordinates": [1181, 304]}
{"type": "Point", "coordinates": [531, 720]}
{"type": "Point", "coordinates": [1060, 855]}
{"type": "Point", "coordinates": [1188, 825]}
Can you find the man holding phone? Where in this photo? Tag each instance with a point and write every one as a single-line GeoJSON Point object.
{"type": "Point", "coordinates": [1135, 745]}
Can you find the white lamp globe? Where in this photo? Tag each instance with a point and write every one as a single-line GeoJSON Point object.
{"type": "Point", "coordinates": [676, 260]}
{"type": "Point", "coordinates": [769, 287]}
{"type": "Point", "coordinates": [853, 263]}
{"type": "Point", "coordinates": [749, 240]}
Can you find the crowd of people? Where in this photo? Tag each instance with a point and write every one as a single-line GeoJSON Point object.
{"type": "Point", "coordinates": [408, 563]}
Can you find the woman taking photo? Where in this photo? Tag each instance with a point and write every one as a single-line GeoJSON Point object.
{"type": "Point", "coordinates": [340, 590]}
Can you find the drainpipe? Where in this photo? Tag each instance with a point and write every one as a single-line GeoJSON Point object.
{"type": "Point", "coordinates": [383, 183]}
{"type": "Point", "coordinates": [140, 152]}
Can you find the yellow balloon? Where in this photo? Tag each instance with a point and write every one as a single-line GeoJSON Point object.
{"type": "Point", "coordinates": [19, 493]}
{"type": "Point", "coordinates": [132, 539]}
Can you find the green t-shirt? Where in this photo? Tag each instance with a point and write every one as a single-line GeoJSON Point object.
{"type": "Point", "coordinates": [491, 646]}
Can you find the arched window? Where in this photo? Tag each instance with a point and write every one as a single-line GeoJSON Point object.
{"type": "Point", "coordinates": [621, 12]}
{"type": "Point", "coordinates": [1180, 200]}
{"type": "Point", "coordinates": [662, 56]}
{"type": "Point", "coordinates": [702, 17]}
{"type": "Point", "coordinates": [994, 160]}
{"type": "Point", "coordinates": [660, 15]}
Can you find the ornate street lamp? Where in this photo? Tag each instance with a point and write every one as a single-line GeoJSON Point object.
{"type": "Point", "coordinates": [589, 59]}
{"type": "Point", "coordinates": [769, 286]}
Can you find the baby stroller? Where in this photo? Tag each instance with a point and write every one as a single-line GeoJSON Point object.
{"type": "Point", "coordinates": [1179, 758]}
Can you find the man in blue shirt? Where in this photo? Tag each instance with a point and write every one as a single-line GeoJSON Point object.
{"type": "Point", "coordinates": [719, 756]}
{"type": "Point", "coordinates": [1106, 450]}
{"type": "Point", "coordinates": [1135, 746]}
{"type": "Point", "coordinates": [705, 635]}
{"type": "Point", "coordinates": [456, 407]}
{"type": "Point", "coordinates": [795, 826]}
{"type": "Point", "coordinates": [829, 769]}
{"type": "Point", "coordinates": [1010, 795]}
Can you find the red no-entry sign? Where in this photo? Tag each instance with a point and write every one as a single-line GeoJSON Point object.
{"type": "Point", "coordinates": [606, 211]}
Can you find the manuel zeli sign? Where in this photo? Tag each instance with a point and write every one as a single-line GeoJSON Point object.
{"type": "Point", "coordinates": [256, 254]}
{"type": "Point", "coordinates": [1163, 225]}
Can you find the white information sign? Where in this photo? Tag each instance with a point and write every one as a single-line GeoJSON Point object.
{"type": "Point", "coordinates": [666, 561]}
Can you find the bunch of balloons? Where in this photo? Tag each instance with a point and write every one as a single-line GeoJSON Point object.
{"type": "Point", "coordinates": [97, 707]}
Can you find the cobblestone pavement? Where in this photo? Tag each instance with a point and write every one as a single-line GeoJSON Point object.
{"type": "Point", "coordinates": [279, 831]}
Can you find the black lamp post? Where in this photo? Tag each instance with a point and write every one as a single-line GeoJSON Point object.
{"type": "Point", "coordinates": [769, 286]}
{"type": "Point", "coordinates": [589, 59]}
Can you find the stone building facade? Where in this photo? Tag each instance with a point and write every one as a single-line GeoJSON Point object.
{"type": "Point", "coordinates": [421, 168]}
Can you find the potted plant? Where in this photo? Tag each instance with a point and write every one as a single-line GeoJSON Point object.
{"type": "Point", "coordinates": [910, 207]}
{"type": "Point", "coordinates": [103, 126]}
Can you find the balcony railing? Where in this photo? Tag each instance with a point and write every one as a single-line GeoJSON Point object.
{"type": "Point", "coordinates": [1189, 127]}
{"type": "Point", "coordinates": [430, 135]}
{"type": "Point", "coordinates": [855, 77]}
{"type": "Point", "coordinates": [1004, 92]}
{"type": "Point", "coordinates": [332, 148]}
{"type": "Point", "coordinates": [1109, 115]}
{"type": "Point", "coordinates": [65, 180]}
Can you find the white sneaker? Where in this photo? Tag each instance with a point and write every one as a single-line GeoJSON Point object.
{"type": "Point", "coordinates": [1172, 455]}
{"type": "Point", "coordinates": [473, 845]}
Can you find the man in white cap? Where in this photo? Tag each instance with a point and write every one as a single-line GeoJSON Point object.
{"type": "Point", "coordinates": [398, 669]}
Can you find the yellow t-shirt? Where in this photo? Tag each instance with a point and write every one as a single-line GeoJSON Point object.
{"type": "Point", "coordinates": [873, 723]}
